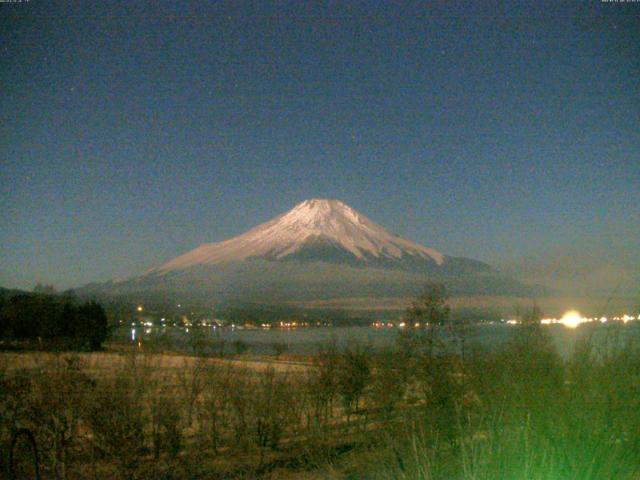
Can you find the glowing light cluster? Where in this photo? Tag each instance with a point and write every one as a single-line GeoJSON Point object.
{"type": "Point", "coordinates": [572, 319]}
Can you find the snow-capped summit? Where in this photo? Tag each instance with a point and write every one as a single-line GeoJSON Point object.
{"type": "Point", "coordinates": [320, 249]}
{"type": "Point", "coordinates": [316, 229]}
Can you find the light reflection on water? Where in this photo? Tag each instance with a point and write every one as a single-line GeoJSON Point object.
{"type": "Point", "coordinates": [308, 340]}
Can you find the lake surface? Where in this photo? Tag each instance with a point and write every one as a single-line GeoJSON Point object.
{"type": "Point", "coordinates": [307, 341]}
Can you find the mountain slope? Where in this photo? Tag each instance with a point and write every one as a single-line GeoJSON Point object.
{"type": "Point", "coordinates": [313, 230]}
{"type": "Point", "coordinates": [320, 249]}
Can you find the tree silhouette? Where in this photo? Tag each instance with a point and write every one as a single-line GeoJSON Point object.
{"type": "Point", "coordinates": [429, 312]}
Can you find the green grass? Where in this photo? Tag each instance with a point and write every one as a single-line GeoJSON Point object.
{"type": "Point", "coordinates": [532, 416]}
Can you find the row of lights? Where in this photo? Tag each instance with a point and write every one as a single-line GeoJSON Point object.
{"type": "Point", "coordinates": [573, 318]}
{"type": "Point", "coordinates": [379, 324]}
{"type": "Point", "coordinates": [570, 319]}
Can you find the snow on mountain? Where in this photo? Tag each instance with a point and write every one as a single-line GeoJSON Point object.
{"type": "Point", "coordinates": [310, 224]}
{"type": "Point", "coordinates": [321, 249]}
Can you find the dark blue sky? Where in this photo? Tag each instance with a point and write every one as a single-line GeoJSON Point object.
{"type": "Point", "coordinates": [131, 132]}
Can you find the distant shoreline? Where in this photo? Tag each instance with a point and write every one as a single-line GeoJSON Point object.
{"type": "Point", "coordinates": [551, 305]}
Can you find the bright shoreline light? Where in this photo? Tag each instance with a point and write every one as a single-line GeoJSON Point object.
{"type": "Point", "coordinates": [572, 319]}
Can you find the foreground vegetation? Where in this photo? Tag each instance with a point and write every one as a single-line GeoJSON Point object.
{"type": "Point", "coordinates": [434, 407]}
{"type": "Point", "coordinates": [517, 412]}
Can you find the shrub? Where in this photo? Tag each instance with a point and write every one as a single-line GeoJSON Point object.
{"type": "Point", "coordinates": [240, 346]}
{"type": "Point", "coordinates": [117, 415]}
{"type": "Point", "coordinates": [353, 375]}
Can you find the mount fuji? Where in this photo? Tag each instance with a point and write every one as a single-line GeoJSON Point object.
{"type": "Point", "coordinates": [319, 249]}
{"type": "Point", "coordinates": [321, 230]}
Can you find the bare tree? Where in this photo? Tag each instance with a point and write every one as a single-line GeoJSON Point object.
{"type": "Point", "coordinates": [270, 411]}
{"type": "Point", "coordinates": [165, 419]}
{"type": "Point", "coordinates": [117, 417]}
{"type": "Point", "coordinates": [388, 384]}
{"type": "Point", "coordinates": [428, 314]}
{"type": "Point", "coordinates": [57, 402]}
{"type": "Point", "coordinates": [353, 375]}
{"type": "Point", "coordinates": [321, 388]}
{"type": "Point", "coordinates": [216, 394]}
{"type": "Point", "coordinates": [191, 380]}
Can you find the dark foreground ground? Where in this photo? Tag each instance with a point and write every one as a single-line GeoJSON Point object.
{"type": "Point", "coordinates": [518, 411]}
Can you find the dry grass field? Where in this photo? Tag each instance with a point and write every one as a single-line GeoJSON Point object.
{"type": "Point", "coordinates": [110, 363]}
{"type": "Point", "coordinates": [520, 411]}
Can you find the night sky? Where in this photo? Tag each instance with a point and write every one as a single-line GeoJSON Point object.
{"type": "Point", "coordinates": [131, 132]}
